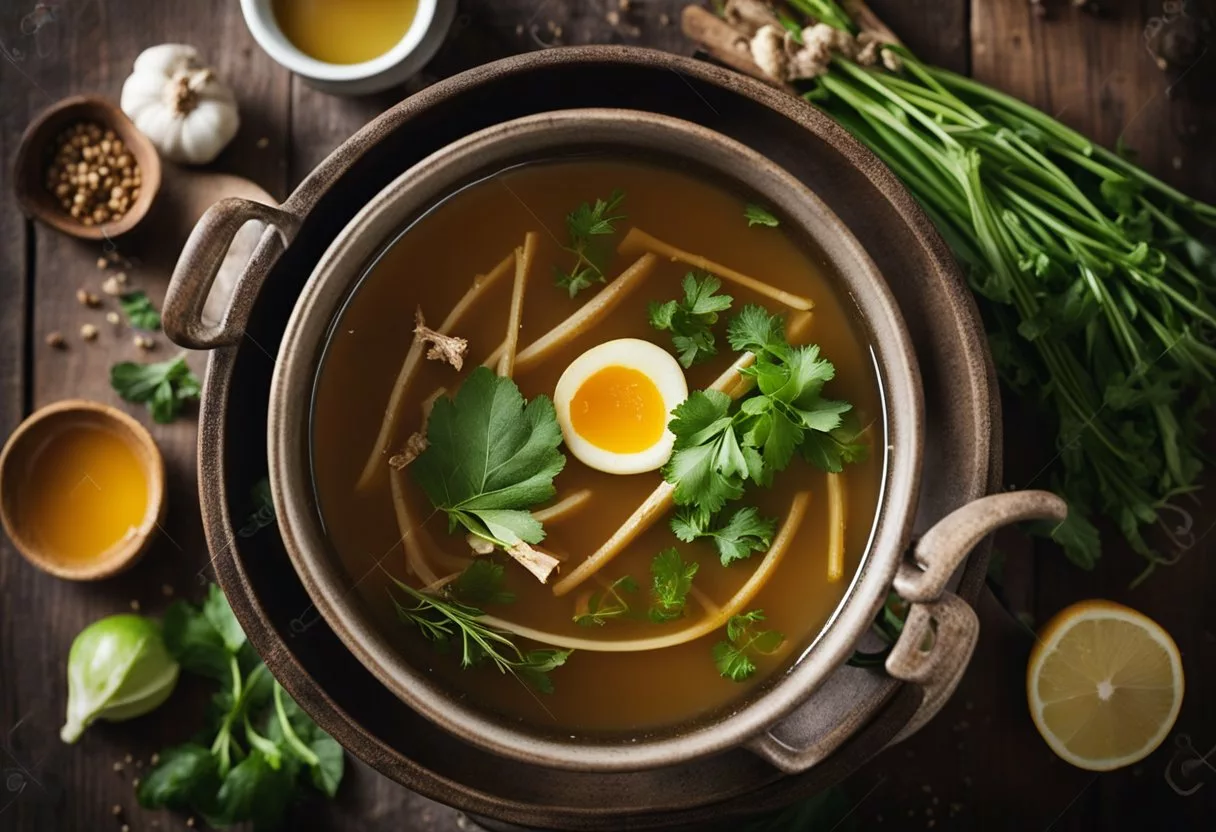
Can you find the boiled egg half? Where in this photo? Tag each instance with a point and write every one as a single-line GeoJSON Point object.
{"type": "Point", "coordinates": [613, 403]}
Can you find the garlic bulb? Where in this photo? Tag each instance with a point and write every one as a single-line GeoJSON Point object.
{"type": "Point", "coordinates": [180, 105]}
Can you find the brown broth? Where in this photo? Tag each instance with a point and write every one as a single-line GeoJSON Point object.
{"type": "Point", "coordinates": [432, 265]}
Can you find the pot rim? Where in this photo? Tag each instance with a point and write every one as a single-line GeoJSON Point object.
{"type": "Point", "coordinates": [903, 409]}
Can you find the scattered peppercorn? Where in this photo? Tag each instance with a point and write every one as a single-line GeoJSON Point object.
{"type": "Point", "coordinates": [93, 175]}
{"type": "Point", "coordinates": [87, 298]}
{"type": "Point", "coordinates": [112, 318]}
{"type": "Point", "coordinates": [55, 340]}
{"type": "Point", "coordinates": [88, 332]}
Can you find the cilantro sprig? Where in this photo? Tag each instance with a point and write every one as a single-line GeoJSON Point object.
{"type": "Point", "coordinates": [583, 225]}
{"type": "Point", "coordinates": [452, 625]}
{"type": "Point", "coordinates": [608, 604]}
{"type": "Point", "coordinates": [720, 446]}
{"type": "Point", "coordinates": [691, 320]}
{"type": "Point", "coordinates": [672, 580]}
{"type": "Point", "coordinates": [490, 457]}
{"type": "Point", "coordinates": [744, 640]}
{"type": "Point", "coordinates": [744, 533]}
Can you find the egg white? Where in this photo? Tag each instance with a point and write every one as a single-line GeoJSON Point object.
{"type": "Point", "coordinates": [633, 353]}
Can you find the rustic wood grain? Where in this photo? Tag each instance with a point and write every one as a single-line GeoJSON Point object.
{"type": "Point", "coordinates": [980, 755]}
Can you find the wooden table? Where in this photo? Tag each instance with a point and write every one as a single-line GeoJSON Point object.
{"type": "Point", "coordinates": [979, 765]}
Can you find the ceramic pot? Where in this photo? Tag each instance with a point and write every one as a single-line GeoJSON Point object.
{"type": "Point", "coordinates": [941, 630]}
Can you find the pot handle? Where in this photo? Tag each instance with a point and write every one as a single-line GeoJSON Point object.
{"type": "Point", "coordinates": [941, 629]}
{"type": "Point", "coordinates": [200, 262]}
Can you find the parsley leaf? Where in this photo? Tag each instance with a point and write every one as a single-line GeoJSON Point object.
{"type": "Point", "coordinates": [490, 458]}
{"type": "Point", "coordinates": [139, 310]}
{"type": "Point", "coordinates": [482, 582]}
{"type": "Point", "coordinates": [757, 215]}
{"type": "Point", "coordinates": [708, 466]}
{"type": "Point", "coordinates": [672, 581]}
{"type": "Point", "coordinates": [691, 320]}
{"type": "Point", "coordinates": [832, 450]}
{"type": "Point", "coordinates": [164, 386]}
{"type": "Point", "coordinates": [733, 657]}
{"type": "Point", "coordinates": [745, 532]}
{"type": "Point", "coordinates": [583, 224]}
{"type": "Point", "coordinates": [606, 605]}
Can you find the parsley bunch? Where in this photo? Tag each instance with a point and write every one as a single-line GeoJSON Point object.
{"type": "Point", "coordinates": [691, 320]}
{"type": "Point", "coordinates": [745, 532]}
{"type": "Point", "coordinates": [583, 225]}
{"type": "Point", "coordinates": [721, 445]}
{"type": "Point", "coordinates": [259, 751]}
{"type": "Point", "coordinates": [164, 386]}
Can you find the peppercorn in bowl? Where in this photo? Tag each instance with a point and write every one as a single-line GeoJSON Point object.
{"type": "Point", "coordinates": [83, 168]}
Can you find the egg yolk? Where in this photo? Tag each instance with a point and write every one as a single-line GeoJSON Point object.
{"type": "Point", "coordinates": [619, 409]}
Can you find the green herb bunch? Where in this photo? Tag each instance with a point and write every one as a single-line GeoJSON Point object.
{"type": "Point", "coordinates": [691, 320]}
{"type": "Point", "coordinates": [259, 751]}
{"type": "Point", "coordinates": [1095, 279]}
{"type": "Point", "coordinates": [586, 226]}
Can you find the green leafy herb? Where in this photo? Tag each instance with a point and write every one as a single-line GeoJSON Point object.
{"type": "Point", "coordinates": [164, 386]}
{"type": "Point", "coordinates": [490, 458]}
{"type": "Point", "coordinates": [139, 310]}
{"type": "Point", "coordinates": [1095, 280]}
{"type": "Point", "coordinates": [887, 626]}
{"type": "Point", "coordinates": [760, 216]}
{"type": "Point", "coordinates": [743, 641]}
{"type": "Point", "coordinates": [672, 581]}
{"type": "Point", "coordinates": [584, 224]}
{"type": "Point", "coordinates": [719, 446]}
{"type": "Point", "coordinates": [745, 532]}
{"type": "Point", "coordinates": [482, 582]}
{"type": "Point", "coordinates": [263, 748]}
{"type": "Point", "coordinates": [691, 320]}
{"type": "Point", "coordinates": [453, 625]}
{"type": "Point", "coordinates": [604, 606]}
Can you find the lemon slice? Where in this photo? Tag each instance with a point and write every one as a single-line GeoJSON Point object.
{"type": "Point", "coordinates": [1104, 685]}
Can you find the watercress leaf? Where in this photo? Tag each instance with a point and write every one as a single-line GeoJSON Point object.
{"type": "Point", "coordinates": [140, 312]}
{"type": "Point", "coordinates": [254, 790]}
{"type": "Point", "coordinates": [219, 614]}
{"type": "Point", "coordinates": [184, 777]}
{"type": "Point", "coordinates": [672, 579]}
{"type": "Point", "coordinates": [732, 662]}
{"type": "Point", "coordinates": [194, 642]}
{"type": "Point", "coordinates": [488, 451]}
{"type": "Point", "coordinates": [482, 582]}
{"type": "Point", "coordinates": [759, 216]}
{"type": "Point", "coordinates": [326, 775]}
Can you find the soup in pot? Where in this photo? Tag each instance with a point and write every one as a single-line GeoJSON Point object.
{"type": "Point", "coordinates": [600, 444]}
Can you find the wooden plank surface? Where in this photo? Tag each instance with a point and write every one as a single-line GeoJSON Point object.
{"type": "Point", "coordinates": [979, 765]}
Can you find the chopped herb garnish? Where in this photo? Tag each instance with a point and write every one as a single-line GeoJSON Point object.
{"type": "Point", "coordinates": [717, 450]}
{"type": "Point", "coordinates": [734, 656]}
{"type": "Point", "coordinates": [691, 320]}
{"type": "Point", "coordinates": [831, 451]}
{"type": "Point", "coordinates": [745, 532]}
{"type": "Point", "coordinates": [672, 581]}
{"type": "Point", "coordinates": [604, 606]}
{"type": "Point", "coordinates": [139, 310]}
{"type": "Point", "coordinates": [164, 386]}
{"type": "Point", "coordinates": [482, 582]}
{"type": "Point", "coordinates": [760, 216]}
{"type": "Point", "coordinates": [490, 458]}
{"type": "Point", "coordinates": [453, 625]}
{"type": "Point", "coordinates": [583, 225]}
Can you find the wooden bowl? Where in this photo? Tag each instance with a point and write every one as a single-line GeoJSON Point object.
{"type": "Point", "coordinates": [37, 149]}
{"type": "Point", "coordinates": [20, 454]}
